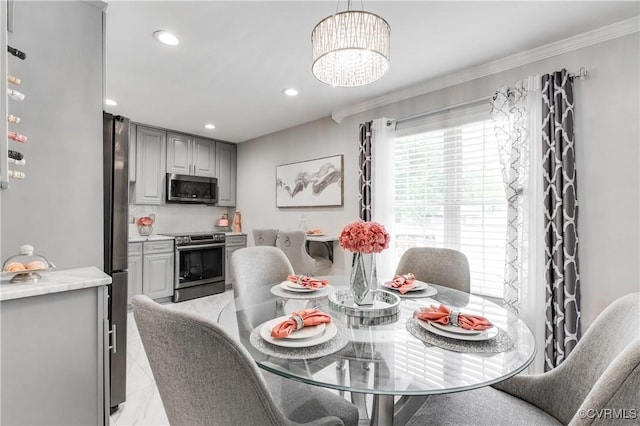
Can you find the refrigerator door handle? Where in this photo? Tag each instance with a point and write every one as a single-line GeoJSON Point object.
{"type": "Point", "coordinates": [113, 334]}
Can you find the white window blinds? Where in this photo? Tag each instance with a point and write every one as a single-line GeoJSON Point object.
{"type": "Point", "coordinates": [449, 192]}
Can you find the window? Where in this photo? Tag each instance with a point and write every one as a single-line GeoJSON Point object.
{"type": "Point", "coordinates": [449, 193]}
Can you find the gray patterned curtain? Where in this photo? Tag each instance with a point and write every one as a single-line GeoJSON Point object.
{"type": "Point", "coordinates": [562, 322]}
{"type": "Point", "coordinates": [364, 172]}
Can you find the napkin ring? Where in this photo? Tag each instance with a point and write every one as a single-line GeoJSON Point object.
{"type": "Point", "coordinates": [453, 318]}
{"type": "Point", "coordinates": [299, 321]}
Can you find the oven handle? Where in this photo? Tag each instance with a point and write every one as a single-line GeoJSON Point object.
{"type": "Point", "coordinates": [196, 247]}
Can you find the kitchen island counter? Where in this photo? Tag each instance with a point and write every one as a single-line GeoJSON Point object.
{"type": "Point", "coordinates": [55, 281]}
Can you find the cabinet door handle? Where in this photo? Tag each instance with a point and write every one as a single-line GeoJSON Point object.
{"type": "Point", "coordinates": [113, 334]}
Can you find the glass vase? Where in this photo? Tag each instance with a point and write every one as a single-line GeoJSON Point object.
{"type": "Point", "coordinates": [145, 230]}
{"type": "Point", "coordinates": [363, 279]}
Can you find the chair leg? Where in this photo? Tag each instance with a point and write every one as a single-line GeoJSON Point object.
{"type": "Point", "coordinates": [341, 374]}
{"type": "Point", "coordinates": [359, 373]}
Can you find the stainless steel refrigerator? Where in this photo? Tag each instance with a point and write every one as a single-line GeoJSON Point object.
{"type": "Point", "coordinates": [116, 212]}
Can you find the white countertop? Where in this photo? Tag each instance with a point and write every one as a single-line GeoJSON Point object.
{"type": "Point", "coordinates": [153, 237]}
{"type": "Point", "coordinates": [234, 233]}
{"type": "Point", "coordinates": [55, 281]}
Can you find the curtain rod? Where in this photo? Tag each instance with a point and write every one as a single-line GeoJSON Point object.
{"type": "Point", "coordinates": [439, 110]}
{"type": "Point", "coordinates": [581, 74]}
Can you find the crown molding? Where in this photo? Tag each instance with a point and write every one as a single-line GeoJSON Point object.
{"type": "Point", "coordinates": [599, 35]}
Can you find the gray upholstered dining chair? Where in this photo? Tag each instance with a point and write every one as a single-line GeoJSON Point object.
{"type": "Point", "coordinates": [254, 271]}
{"type": "Point", "coordinates": [446, 267]}
{"type": "Point", "coordinates": [205, 377]}
{"type": "Point", "coordinates": [600, 376]}
{"type": "Point", "coordinates": [265, 237]}
{"type": "Point", "coordinates": [293, 244]}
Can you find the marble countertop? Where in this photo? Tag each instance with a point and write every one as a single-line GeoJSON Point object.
{"type": "Point", "coordinates": [55, 281]}
{"type": "Point", "coordinates": [153, 237]}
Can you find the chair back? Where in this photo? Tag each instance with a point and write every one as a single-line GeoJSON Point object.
{"type": "Point", "coordinates": [203, 376]}
{"type": "Point", "coordinates": [293, 244]}
{"type": "Point", "coordinates": [603, 370]}
{"type": "Point", "coordinates": [265, 237]}
{"type": "Point", "coordinates": [254, 271]}
{"type": "Point", "coordinates": [441, 266]}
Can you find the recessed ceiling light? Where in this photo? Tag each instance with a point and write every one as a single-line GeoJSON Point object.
{"type": "Point", "coordinates": [110, 102]}
{"type": "Point", "coordinates": [165, 37]}
{"type": "Point", "coordinates": [290, 92]}
{"type": "Point", "coordinates": [209, 126]}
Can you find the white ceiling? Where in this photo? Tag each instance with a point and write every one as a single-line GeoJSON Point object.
{"type": "Point", "coordinates": [235, 57]}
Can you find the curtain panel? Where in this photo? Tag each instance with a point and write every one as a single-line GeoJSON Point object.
{"type": "Point", "coordinates": [364, 170]}
{"type": "Point", "coordinates": [510, 119]}
{"type": "Point", "coordinates": [562, 279]}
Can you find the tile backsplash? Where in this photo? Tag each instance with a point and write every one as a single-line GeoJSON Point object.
{"type": "Point", "coordinates": [172, 218]}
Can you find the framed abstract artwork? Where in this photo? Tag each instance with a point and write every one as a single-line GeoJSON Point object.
{"type": "Point", "coordinates": [311, 183]}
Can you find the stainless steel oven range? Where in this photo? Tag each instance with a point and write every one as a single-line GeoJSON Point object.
{"type": "Point", "coordinates": [200, 265]}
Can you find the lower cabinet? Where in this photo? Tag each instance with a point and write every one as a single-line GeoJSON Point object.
{"type": "Point", "coordinates": [134, 270]}
{"type": "Point", "coordinates": [54, 358]}
{"type": "Point", "coordinates": [151, 269]}
{"type": "Point", "coordinates": [232, 243]}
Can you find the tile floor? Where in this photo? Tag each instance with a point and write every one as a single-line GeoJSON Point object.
{"type": "Point", "coordinates": [143, 405]}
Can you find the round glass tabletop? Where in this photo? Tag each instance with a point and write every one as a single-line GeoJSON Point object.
{"type": "Point", "coordinates": [388, 355]}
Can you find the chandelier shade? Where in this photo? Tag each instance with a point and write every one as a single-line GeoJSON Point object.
{"type": "Point", "coordinates": [350, 48]}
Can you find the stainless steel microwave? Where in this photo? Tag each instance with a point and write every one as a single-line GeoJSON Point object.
{"type": "Point", "coordinates": [191, 189]}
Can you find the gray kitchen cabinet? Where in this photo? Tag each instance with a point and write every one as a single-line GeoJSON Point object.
{"type": "Point", "coordinates": [132, 152]}
{"type": "Point", "coordinates": [189, 155]}
{"type": "Point", "coordinates": [232, 243]}
{"type": "Point", "coordinates": [151, 269]}
{"type": "Point", "coordinates": [226, 173]}
{"type": "Point", "coordinates": [134, 273]}
{"type": "Point", "coordinates": [151, 156]}
{"type": "Point", "coordinates": [54, 360]}
{"type": "Point", "coordinates": [157, 269]}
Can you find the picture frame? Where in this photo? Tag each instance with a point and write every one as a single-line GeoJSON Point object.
{"type": "Point", "coordinates": [311, 183]}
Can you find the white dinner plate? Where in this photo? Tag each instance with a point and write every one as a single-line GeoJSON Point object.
{"type": "Point", "coordinates": [453, 329]}
{"type": "Point", "coordinates": [483, 335]}
{"type": "Point", "coordinates": [419, 285]}
{"type": "Point", "coordinates": [323, 336]}
{"type": "Point", "coordinates": [316, 235]}
{"type": "Point", "coordinates": [291, 286]}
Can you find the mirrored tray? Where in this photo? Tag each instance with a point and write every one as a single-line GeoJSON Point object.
{"type": "Point", "coordinates": [385, 304]}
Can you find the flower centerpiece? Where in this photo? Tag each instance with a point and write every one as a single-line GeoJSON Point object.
{"type": "Point", "coordinates": [145, 225]}
{"type": "Point", "coordinates": [364, 239]}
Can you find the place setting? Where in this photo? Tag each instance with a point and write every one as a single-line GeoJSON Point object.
{"type": "Point", "coordinates": [449, 328]}
{"type": "Point", "coordinates": [307, 333]}
{"type": "Point", "coordinates": [408, 287]}
{"type": "Point", "coordinates": [302, 287]}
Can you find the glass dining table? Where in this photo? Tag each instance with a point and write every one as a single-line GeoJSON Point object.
{"type": "Point", "coordinates": [393, 362]}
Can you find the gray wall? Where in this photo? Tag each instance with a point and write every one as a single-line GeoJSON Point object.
{"type": "Point", "coordinates": [58, 207]}
{"type": "Point", "coordinates": [607, 155]}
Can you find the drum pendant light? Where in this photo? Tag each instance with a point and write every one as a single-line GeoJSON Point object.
{"type": "Point", "coordinates": [350, 48]}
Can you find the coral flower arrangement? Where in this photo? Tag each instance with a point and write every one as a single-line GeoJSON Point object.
{"type": "Point", "coordinates": [364, 237]}
{"type": "Point", "coordinates": [145, 221]}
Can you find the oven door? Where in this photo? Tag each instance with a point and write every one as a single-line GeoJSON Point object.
{"type": "Point", "coordinates": [199, 264]}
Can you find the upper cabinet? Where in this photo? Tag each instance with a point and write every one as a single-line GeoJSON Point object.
{"type": "Point", "coordinates": [151, 155]}
{"type": "Point", "coordinates": [156, 152]}
{"type": "Point", "coordinates": [188, 155]}
{"type": "Point", "coordinates": [226, 173]}
{"type": "Point", "coordinates": [132, 152]}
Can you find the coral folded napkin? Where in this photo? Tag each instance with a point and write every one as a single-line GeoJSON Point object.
{"type": "Point", "coordinates": [305, 281]}
{"type": "Point", "coordinates": [298, 320]}
{"type": "Point", "coordinates": [443, 315]}
{"type": "Point", "coordinates": [403, 283]}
